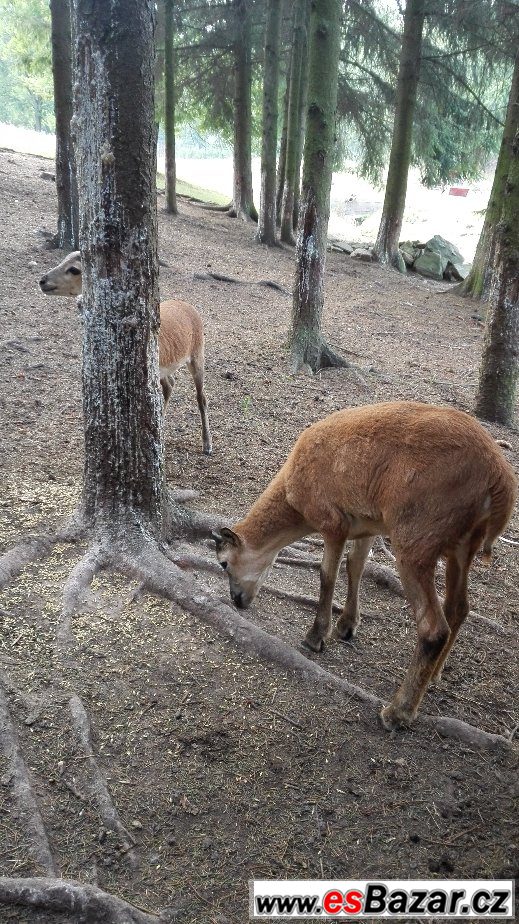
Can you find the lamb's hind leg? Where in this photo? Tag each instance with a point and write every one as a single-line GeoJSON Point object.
{"type": "Point", "coordinates": [456, 605]}
{"type": "Point", "coordinates": [166, 383]}
{"type": "Point", "coordinates": [433, 631]}
{"type": "Point", "coordinates": [333, 550]}
{"type": "Point", "coordinates": [350, 617]}
{"type": "Point", "coordinates": [196, 368]}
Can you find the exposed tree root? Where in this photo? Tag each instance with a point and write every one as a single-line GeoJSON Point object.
{"type": "Point", "coordinates": [28, 811]}
{"type": "Point", "coordinates": [78, 582]}
{"type": "Point", "coordinates": [15, 560]}
{"type": "Point", "coordinates": [86, 902]}
{"type": "Point", "coordinates": [74, 595]}
{"type": "Point", "coordinates": [303, 599]}
{"type": "Point", "coordinates": [97, 783]}
{"type": "Point", "coordinates": [380, 574]}
{"type": "Point", "coordinates": [221, 277]}
{"type": "Point", "coordinates": [450, 727]}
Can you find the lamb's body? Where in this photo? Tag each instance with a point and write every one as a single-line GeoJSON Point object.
{"type": "Point", "coordinates": [181, 335]}
{"type": "Point", "coordinates": [430, 478]}
{"type": "Point", "coordinates": [389, 469]}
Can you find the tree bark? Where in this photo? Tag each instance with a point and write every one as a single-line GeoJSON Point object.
{"type": "Point", "coordinates": [282, 160]}
{"type": "Point", "coordinates": [66, 179]}
{"type": "Point", "coordinates": [267, 215]}
{"type": "Point", "coordinates": [303, 105]}
{"type": "Point", "coordinates": [169, 107]}
{"type": "Point", "coordinates": [499, 370]}
{"type": "Point", "coordinates": [477, 283]}
{"type": "Point", "coordinates": [123, 476]}
{"type": "Point", "coordinates": [243, 205]}
{"type": "Point", "coordinates": [305, 335]}
{"type": "Point", "coordinates": [293, 152]}
{"type": "Point", "coordinates": [386, 246]}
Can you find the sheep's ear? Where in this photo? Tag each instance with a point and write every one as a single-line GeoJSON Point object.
{"type": "Point", "coordinates": [225, 537]}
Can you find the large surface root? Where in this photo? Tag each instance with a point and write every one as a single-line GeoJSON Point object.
{"type": "Point", "coordinates": [14, 560]}
{"type": "Point", "coordinates": [27, 807]}
{"type": "Point", "coordinates": [96, 783]}
{"type": "Point", "coordinates": [86, 902]}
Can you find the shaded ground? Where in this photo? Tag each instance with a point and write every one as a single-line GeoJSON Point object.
{"type": "Point", "coordinates": [222, 768]}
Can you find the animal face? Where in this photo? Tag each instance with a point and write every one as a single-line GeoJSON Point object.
{"type": "Point", "coordinates": [65, 278]}
{"type": "Point", "coordinates": [245, 567]}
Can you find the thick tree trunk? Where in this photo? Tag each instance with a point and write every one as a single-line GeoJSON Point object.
{"type": "Point", "coordinates": [169, 107]}
{"type": "Point", "coordinates": [267, 215]}
{"type": "Point", "coordinates": [305, 336]}
{"type": "Point", "coordinates": [386, 247]}
{"type": "Point", "coordinates": [243, 205]}
{"type": "Point", "coordinates": [477, 283]}
{"type": "Point", "coordinates": [499, 371]}
{"type": "Point", "coordinates": [123, 478]}
{"type": "Point", "coordinates": [293, 152]}
{"type": "Point", "coordinates": [66, 179]}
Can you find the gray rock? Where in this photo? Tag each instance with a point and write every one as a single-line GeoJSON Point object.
{"type": "Point", "coordinates": [340, 246]}
{"type": "Point", "coordinates": [429, 265]}
{"type": "Point", "coordinates": [400, 263]}
{"type": "Point", "coordinates": [457, 271]}
{"type": "Point", "coordinates": [409, 256]}
{"type": "Point", "coordinates": [447, 251]}
{"type": "Point", "coordinates": [365, 256]}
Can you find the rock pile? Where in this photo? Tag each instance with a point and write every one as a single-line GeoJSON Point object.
{"type": "Point", "coordinates": [437, 259]}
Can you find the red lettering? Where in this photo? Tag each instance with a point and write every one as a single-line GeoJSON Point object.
{"type": "Point", "coordinates": [332, 901]}
{"type": "Point", "coordinates": [353, 901]}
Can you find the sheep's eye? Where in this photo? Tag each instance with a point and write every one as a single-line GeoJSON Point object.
{"type": "Point", "coordinates": [224, 565]}
{"type": "Point", "coordinates": [74, 270]}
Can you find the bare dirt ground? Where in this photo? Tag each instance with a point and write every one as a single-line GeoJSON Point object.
{"type": "Point", "coordinates": [220, 768]}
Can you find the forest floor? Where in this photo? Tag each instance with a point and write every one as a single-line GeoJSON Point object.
{"type": "Point", "coordinates": [218, 767]}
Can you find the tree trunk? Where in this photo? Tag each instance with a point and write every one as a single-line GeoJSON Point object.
{"type": "Point", "coordinates": [305, 335]}
{"type": "Point", "coordinates": [282, 160]}
{"type": "Point", "coordinates": [386, 247]}
{"type": "Point", "coordinates": [267, 214]}
{"type": "Point", "coordinates": [303, 105]}
{"type": "Point", "coordinates": [66, 179]}
{"type": "Point", "coordinates": [499, 370]}
{"type": "Point", "coordinates": [123, 478]}
{"type": "Point", "coordinates": [293, 153]}
{"type": "Point", "coordinates": [38, 108]}
{"type": "Point", "coordinates": [243, 205]}
{"type": "Point", "coordinates": [477, 283]}
{"type": "Point", "coordinates": [169, 107]}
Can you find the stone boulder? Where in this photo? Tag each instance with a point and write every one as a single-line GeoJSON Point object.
{"type": "Point", "coordinates": [430, 265]}
{"type": "Point", "coordinates": [447, 251]}
{"type": "Point", "coordinates": [362, 254]}
{"type": "Point", "coordinates": [457, 272]}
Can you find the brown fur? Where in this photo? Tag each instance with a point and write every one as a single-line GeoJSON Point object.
{"type": "Point", "coordinates": [181, 335]}
{"type": "Point", "coordinates": [430, 478]}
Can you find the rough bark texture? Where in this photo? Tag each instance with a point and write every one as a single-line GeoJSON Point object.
{"type": "Point", "coordinates": [169, 107]}
{"type": "Point", "coordinates": [66, 178]}
{"type": "Point", "coordinates": [267, 214]}
{"type": "Point", "coordinates": [293, 151]}
{"type": "Point", "coordinates": [305, 336]}
{"type": "Point", "coordinates": [500, 362]}
{"type": "Point", "coordinates": [243, 205]}
{"type": "Point", "coordinates": [123, 483]}
{"type": "Point", "coordinates": [303, 105]}
{"type": "Point", "coordinates": [386, 247]}
{"type": "Point", "coordinates": [477, 283]}
{"type": "Point", "coordinates": [282, 160]}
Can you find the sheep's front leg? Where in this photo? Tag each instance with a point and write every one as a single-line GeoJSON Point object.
{"type": "Point", "coordinates": [333, 551]}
